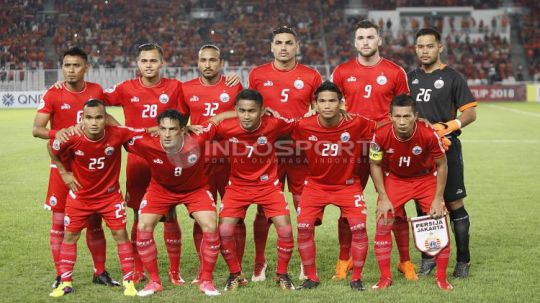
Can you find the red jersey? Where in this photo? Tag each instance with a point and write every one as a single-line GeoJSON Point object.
{"type": "Point", "coordinates": [65, 107]}
{"type": "Point", "coordinates": [407, 158]}
{"type": "Point", "coordinates": [288, 92]}
{"type": "Point", "coordinates": [252, 154]}
{"type": "Point", "coordinates": [179, 173]}
{"type": "Point", "coordinates": [332, 153]}
{"type": "Point", "coordinates": [96, 164]}
{"type": "Point", "coordinates": [201, 102]}
{"type": "Point", "coordinates": [368, 90]}
{"type": "Point", "coordinates": [142, 104]}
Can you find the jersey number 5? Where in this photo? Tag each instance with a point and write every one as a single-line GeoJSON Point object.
{"type": "Point", "coordinates": [285, 95]}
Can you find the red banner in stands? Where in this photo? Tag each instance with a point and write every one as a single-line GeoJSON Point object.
{"type": "Point", "coordinates": [499, 92]}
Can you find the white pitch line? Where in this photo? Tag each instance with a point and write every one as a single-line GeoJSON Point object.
{"type": "Point", "coordinates": [501, 141]}
{"type": "Point", "coordinates": [517, 111]}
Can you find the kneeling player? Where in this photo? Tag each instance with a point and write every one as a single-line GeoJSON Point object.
{"type": "Point", "coordinates": [332, 144]}
{"type": "Point", "coordinates": [250, 141]}
{"type": "Point", "coordinates": [407, 163]}
{"type": "Point", "coordinates": [178, 177]}
{"type": "Point", "coordinates": [95, 160]}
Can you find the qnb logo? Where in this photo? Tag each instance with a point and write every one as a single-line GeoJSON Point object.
{"type": "Point", "coordinates": [8, 99]}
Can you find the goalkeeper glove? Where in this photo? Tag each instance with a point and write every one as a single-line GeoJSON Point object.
{"type": "Point", "coordinates": [446, 143]}
{"type": "Point", "coordinates": [446, 128]}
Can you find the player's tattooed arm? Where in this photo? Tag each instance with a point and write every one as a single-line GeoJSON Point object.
{"type": "Point", "coordinates": [232, 79]}
{"type": "Point", "coordinates": [66, 175]}
{"type": "Point", "coordinates": [437, 205]}
{"type": "Point", "coordinates": [384, 205]}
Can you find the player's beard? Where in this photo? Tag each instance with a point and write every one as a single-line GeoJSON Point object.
{"type": "Point", "coordinates": [211, 78]}
{"type": "Point", "coordinates": [368, 55]}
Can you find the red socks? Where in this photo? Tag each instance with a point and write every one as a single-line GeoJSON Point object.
{"type": "Point", "coordinates": [228, 247]}
{"type": "Point", "coordinates": [307, 249]}
{"type": "Point", "coordinates": [209, 251]}
{"type": "Point", "coordinates": [401, 234]}
{"type": "Point", "coordinates": [68, 256]}
{"type": "Point", "coordinates": [136, 258]}
{"type": "Point", "coordinates": [56, 236]}
{"type": "Point", "coordinates": [345, 238]}
{"type": "Point", "coordinates": [125, 254]}
{"type": "Point", "coordinates": [441, 261]}
{"type": "Point", "coordinates": [148, 253]}
{"type": "Point", "coordinates": [260, 235]}
{"type": "Point", "coordinates": [240, 238]}
{"type": "Point", "coordinates": [383, 248]}
{"type": "Point", "coordinates": [359, 246]}
{"type": "Point", "coordinates": [285, 245]}
{"type": "Point", "coordinates": [95, 239]}
{"type": "Point", "coordinates": [173, 242]}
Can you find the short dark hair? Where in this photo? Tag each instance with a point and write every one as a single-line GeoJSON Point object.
{"type": "Point", "coordinates": [249, 94]}
{"type": "Point", "coordinates": [328, 86]}
{"type": "Point", "coordinates": [94, 103]}
{"type": "Point", "coordinates": [173, 114]}
{"type": "Point", "coordinates": [366, 24]}
{"type": "Point", "coordinates": [284, 30]}
{"type": "Point", "coordinates": [75, 52]}
{"type": "Point", "coordinates": [211, 46]}
{"type": "Point", "coordinates": [148, 47]}
{"type": "Point", "coordinates": [403, 100]}
{"type": "Point", "coordinates": [426, 31]}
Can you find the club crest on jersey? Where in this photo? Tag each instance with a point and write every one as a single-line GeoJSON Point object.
{"type": "Point", "coordinates": [134, 99]}
{"type": "Point", "coordinates": [262, 140]}
{"type": "Point", "coordinates": [143, 204]}
{"type": "Point", "coordinates": [56, 145]}
{"type": "Point", "coordinates": [67, 220]}
{"type": "Point", "coordinates": [374, 147]}
{"type": "Point", "coordinates": [163, 98]}
{"type": "Point", "coordinates": [439, 84]}
{"type": "Point", "coordinates": [53, 201]}
{"type": "Point", "coordinates": [268, 83]}
{"type": "Point", "coordinates": [299, 84]}
{"type": "Point", "coordinates": [416, 150]}
{"type": "Point", "coordinates": [351, 79]}
{"type": "Point", "coordinates": [65, 106]}
{"type": "Point", "coordinates": [224, 97]}
{"type": "Point", "coordinates": [193, 99]}
{"type": "Point", "coordinates": [41, 104]}
{"type": "Point", "coordinates": [192, 158]}
{"type": "Point", "coordinates": [109, 150]}
{"type": "Point", "coordinates": [345, 137]}
{"type": "Point", "coordinates": [415, 81]}
{"type": "Point", "coordinates": [381, 80]}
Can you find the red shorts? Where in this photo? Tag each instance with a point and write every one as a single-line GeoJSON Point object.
{"type": "Point", "coordinates": [350, 201]}
{"type": "Point", "coordinates": [270, 198]}
{"type": "Point", "coordinates": [112, 209]}
{"type": "Point", "coordinates": [294, 169]}
{"type": "Point", "coordinates": [57, 191]}
{"type": "Point", "coordinates": [138, 177]}
{"type": "Point", "coordinates": [218, 177]}
{"type": "Point", "coordinates": [158, 202]}
{"type": "Point", "coordinates": [402, 190]}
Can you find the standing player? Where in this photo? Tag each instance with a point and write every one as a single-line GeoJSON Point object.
{"type": "Point", "coordinates": [204, 97]}
{"type": "Point", "coordinates": [440, 92]}
{"type": "Point", "coordinates": [407, 162]}
{"type": "Point", "coordinates": [250, 141]}
{"type": "Point", "coordinates": [62, 107]}
{"type": "Point", "coordinates": [334, 146]}
{"type": "Point", "coordinates": [369, 82]}
{"type": "Point", "coordinates": [95, 159]}
{"type": "Point", "coordinates": [287, 87]}
{"type": "Point", "coordinates": [178, 177]}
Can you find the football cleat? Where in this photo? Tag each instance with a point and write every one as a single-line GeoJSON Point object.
{"type": "Point", "coordinates": [301, 276]}
{"type": "Point", "coordinates": [462, 270]}
{"type": "Point", "coordinates": [208, 288]}
{"type": "Point", "coordinates": [129, 288]}
{"type": "Point", "coordinates": [151, 288]}
{"type": "Point", "coordinates": [342, 267]}
{"type": "Point", "coordinates": [63, 289]}
{"type": "Point", "coordinates": [285, 282]}
{"type": "Point", "coordinates": [105, 279]}
{"type": "Point", "coordinates": [138, 277]}
{"type": "Point", "coordinates": [259, 273]}
{"type": "Point", "coordinates": [56, 282]}
{"type": "Point", "coordinates": [308, 284]}
{"type": "Point", "coordinates": [357, 285]}
{"type": "Point", "coordinates": [443, 284]}
{"type": "Point", "coordinates": [427, 265]}
{"type": "Point", "coordinates": [234, 281]}
{"type": "Point", "coordinates": [175, 278]}
{"type": "Point", "coordinates": [408, 270]}
{"type": "Point", "coordinates": [384, 282]}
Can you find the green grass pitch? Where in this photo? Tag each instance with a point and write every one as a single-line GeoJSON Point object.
{"type": "Point", "coordinates": [502, 164]}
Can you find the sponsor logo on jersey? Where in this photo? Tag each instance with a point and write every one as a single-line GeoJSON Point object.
{"type": "Point", "coordinates": [67, 220]}
{"type": "Point", "coordinates": [79, 153]}
{"type": "Point", "coordinates": [264, 178]}
{"type": "Point", "coordinates": [65, 106]}
{"type": "Point", "coordinates": [313, 138]}
{"type": "Point", "coordinates": [193, 99]}
{"type": "Point", "coordinates": [134, 99]}
{"type": "Point", "coordinates": [268, 83]}
{"type": "Point", "coordinates": [390, 151]}
{"type": "Point", "coordinates": [56, 145]}
{"type": "Point", "coordinates": [233, 140]}
{"type": "Point", "coordinates": [351, 79]}
{"type": "Point", "coordinates": [459, 191]}
{"type": "Point", "coordinates": [41, 104]}
{"type": "Point", "coordinates": [439, 84]}
{"type": "Point", "coordinates": [381, 80]}
{"type": "Point", "coordinates": [53, 201]}
{"type": "Point", "coordinates": [109, 150]}
{"type": "Point", "coordinates": [163, 98]}
{"type": "Point", "coordinates": [262, 140]}
{"type": "Point", "coordinates": [158, 161]}
{"type": "Point", "coordinates": [345, 137]}
{"type": "Point", "coordinates": [416, 150]}
{"type": "Point", "coordinates": [299, 84]}
{"type": "Point", "coordinates": [192, 158]}
{"type": "Point", "coordinates": [224, 97]}
{"type": "Point", "coordinates": [415, 81]}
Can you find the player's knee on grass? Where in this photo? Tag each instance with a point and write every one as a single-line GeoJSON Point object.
{"type": "Point", "coordinates": [71, 237]}
{"type": "Point", "coordinates": [280, 221]}
{"type": "Point", "coordinates": [120, 235]}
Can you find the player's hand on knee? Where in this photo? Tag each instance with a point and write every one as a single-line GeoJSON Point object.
{"type": "Point", "coordinates": [383, 207]}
